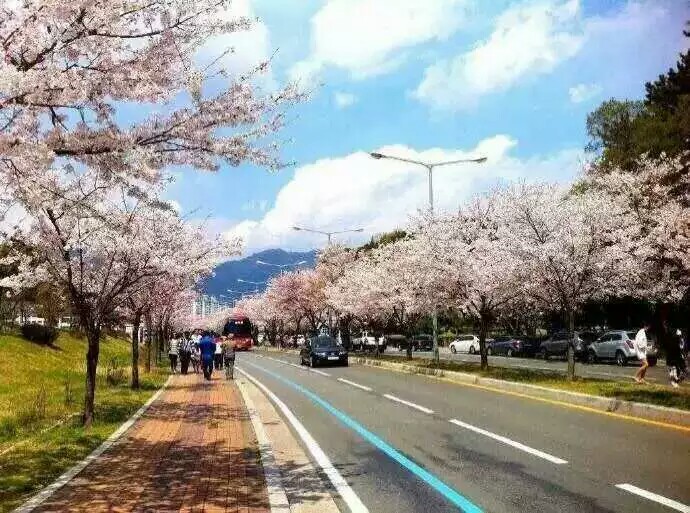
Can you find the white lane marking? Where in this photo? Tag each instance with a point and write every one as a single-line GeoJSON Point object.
{"type": "Point", "coordinates": [320, 372]}
{"type": "Point", "coordinates": [508, 441]}
{"type": "Point", "coordinates": [346, 493]}
{"type": "Point", "coordinates": [352, 383]}
{"type": "Point", "coordinates": [277, 497]}
{"type": "Point", "coordinates": [408, 403]}
{"type": "Point", "coordinates": [654, 497]}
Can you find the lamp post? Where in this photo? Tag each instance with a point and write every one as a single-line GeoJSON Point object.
{"type": "Point", "coordinates": [255, 283]}
{"type": "Point", "coordinates": [327, 234]}
{"type": "Point", "coordinates": [282, 267]}
{"type": "Point", "coordinates": [430, 169]}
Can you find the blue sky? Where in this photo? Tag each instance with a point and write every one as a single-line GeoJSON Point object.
{"type": "Point", "coordinates": [440, 79]}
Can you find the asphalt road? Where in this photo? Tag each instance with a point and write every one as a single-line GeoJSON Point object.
{"type": "Point", "coordinates": [451, 447]}
{"type": "Point", "coordinates": [657, 374]}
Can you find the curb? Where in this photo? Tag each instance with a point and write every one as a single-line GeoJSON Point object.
{"type": "Point", "coordinates": [277, 497]}
{"type": "Point", "coordinates": [71, 473]}
{"type": "Point", "coordinates": [649, 412]}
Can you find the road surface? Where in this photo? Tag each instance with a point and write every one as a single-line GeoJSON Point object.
{"type": "Point", "coordinates": [657, 374]}
{"type": "Point", "coordinates": [407, 443]}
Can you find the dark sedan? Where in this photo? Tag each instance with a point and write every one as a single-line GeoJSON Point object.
{"type": "Point", "coordinates": [323, 350]}
{"type": "Point", "coordinates": [510, 346]}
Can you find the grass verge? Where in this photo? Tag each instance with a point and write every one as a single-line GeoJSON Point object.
{"type": "Point", "coordinates": [41, 394]}
{"type": "Point", "coordinates": [651, 394]}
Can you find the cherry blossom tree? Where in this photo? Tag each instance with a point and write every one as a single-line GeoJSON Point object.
{"type": "Point", "coordinates": [567, 246]}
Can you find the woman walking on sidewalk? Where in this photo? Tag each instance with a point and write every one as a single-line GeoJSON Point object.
{"type": "Point", "coordinates": [641, 349]}
{"type": "Point", "coordinates": [173, 352]}
{"type": "Point", "coordinates": [229, 358]}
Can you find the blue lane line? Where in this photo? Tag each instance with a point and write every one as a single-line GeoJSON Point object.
{"type": "Point", "coordinates": [451, 495]}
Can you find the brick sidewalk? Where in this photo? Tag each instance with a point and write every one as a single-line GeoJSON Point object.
{"type": "Point", "coordinates": [194, 450]}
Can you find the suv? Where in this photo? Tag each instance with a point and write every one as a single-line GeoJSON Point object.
{"type": "Point", "coordinates": [616, 345]}
{"type": "Point", "coordinates": [367, 341]}
{"type": "Point", "coordinates": [557, 344]}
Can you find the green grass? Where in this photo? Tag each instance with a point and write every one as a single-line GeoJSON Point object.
{"type": "Point", "coordinates": [653, 394]}
{"type": "Point", "coordinates": [41, 386]}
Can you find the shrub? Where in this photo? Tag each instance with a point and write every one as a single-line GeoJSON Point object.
{"type": "Point", "coordinates": [115, 373]}
{"type": "Point", "coordinates": [45, 335]}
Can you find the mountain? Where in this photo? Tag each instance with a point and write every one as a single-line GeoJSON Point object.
{"type": "Point", "coordinates": [226, 274]}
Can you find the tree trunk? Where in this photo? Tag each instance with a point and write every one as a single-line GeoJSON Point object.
{"type": "Point", "coordinates": [149, 328]}
{"type": "Point", "coordinates": [135, 351]}
{"type": "Point", "coordinates": [482, 342]}
{"type": "Point", "coordinates": [571, 343]}
{"type": "Point", "coordinates": [93, 336]}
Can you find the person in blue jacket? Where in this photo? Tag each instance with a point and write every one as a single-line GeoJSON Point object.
{"type": "Point", "coordinates": [207, 347]}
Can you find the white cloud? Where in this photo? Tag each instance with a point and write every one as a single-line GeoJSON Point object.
{"type": "Point", "coordinates": [379, 195]}
{"type": "Point", "coordinates": [364, 37]}
{"type": "Point", "coordinates": [584, 92]}
{"type": "Point", "coordinates": [527, 39]}
{"type": "Point", "coordinates": [344, 100]}
{"type": "Point", "coordinates": [249, 48]}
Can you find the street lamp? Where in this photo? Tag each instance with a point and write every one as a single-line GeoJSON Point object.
{"type": "Point", "coordinates": [255, 283]}
{"type": "Point", "coordinates": [327, 234]}
{"type": "Point", "coordinates": [282, 267]}
{"type": "Point", "coordinates": [430, 168]}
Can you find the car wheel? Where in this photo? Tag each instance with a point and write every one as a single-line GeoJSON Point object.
{"type": "Point", "coordinates": [621, 360]}
{"type": "Point", "coordinates": [591, 357]}
{"type": "Point", "coordinates": [347, 363]}
{"type": "Point", "coordinates": [543, 354]}
{"type": "Point", "coordinates": [312, 362]}
{"type": "Point", "coordinates": [453, 350]}
{"type": "Point", "coordinates": [509, 353]}
{"type": "Point", "coordinates": [472, 351]}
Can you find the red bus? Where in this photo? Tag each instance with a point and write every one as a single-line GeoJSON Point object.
{"type": "Point", "coordinates": [239, 329]}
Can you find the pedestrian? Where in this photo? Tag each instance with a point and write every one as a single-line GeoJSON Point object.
{"type": "Point", "coordinates": [173, 352]}
{"type": "Point", "coordinates": [185, 353]}
{"type": "Point", "coordinates": [675, 359]}
{"type": "Point", "coordinates": [207, 349]}
{"type": "Point", "coordinates": [641, 350]}
{"type": "Point", "coordinates": [218, 356]}
{"type": "Point", "coordinates": [229, 358]}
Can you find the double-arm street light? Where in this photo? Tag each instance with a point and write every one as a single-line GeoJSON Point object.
{"type": "Point", "coordinates": [430, 168]}
{"type": "Point", "coordinates": [327, 234]}
{"type": "Point", "coordinates": [282, 267]}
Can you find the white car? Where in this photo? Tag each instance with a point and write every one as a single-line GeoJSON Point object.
{"type": "Point", "coordinates": [465, 344]}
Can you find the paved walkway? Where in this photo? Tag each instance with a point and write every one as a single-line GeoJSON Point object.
{"type": "Point", "coordinates": [194, 450]}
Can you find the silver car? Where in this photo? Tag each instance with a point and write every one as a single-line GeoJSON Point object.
{"type": "Point", "coordinates": [616, 345]}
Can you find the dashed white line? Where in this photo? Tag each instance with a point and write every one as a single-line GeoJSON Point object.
{"type": "Point", "coordinates": [352, 383]}
{"type": "Point", "coordinates": [320, 372]}
{"type": "Point", "coordinates": [654, 497]}
{"type": "Point", "coordinates": [408, 403]}
{"type": "Point", "coordinates": [508, 441]}
{"type": "Point", "coordinates": [346, 493]}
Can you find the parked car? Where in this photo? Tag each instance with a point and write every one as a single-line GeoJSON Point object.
{"type": "Point", "coordinates": [465, 344]}
{"type": "Point", "coordinates": [422, 343]}
{"type": "Point", "coordinates": [367, 341]}
{"type": "Point", "coordinates": [323, 350]}
{"type": "Point", "coordinates": [557, 344]}
{"type": "Point", "coordinates": [618, 345]}
{"type": "Point", "coordinates": [507, 346]}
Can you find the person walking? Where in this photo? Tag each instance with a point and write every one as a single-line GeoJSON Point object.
{"type": "Point", "coordinates": [641, 350]}
{"type": "Point", "coordinates": [185, 353]}
{"type": "Point", "coordinates": [207, 348]}
{"type": "Point", "coordinates": [218, 356]}
{"type": "Point", "coordinates": [229, 358]}
{"type": "Point", "coordinates": [675, 359]}
{"type": "Point", "coordinates": [173, 352]}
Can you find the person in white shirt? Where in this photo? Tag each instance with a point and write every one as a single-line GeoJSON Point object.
{"type": "Point", "coordinates": [641, 349]}
{"type": "Point", "coordinates": [173, 352]}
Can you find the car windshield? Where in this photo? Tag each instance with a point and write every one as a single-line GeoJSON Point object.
{"type": "Point", "coordinates": [324, 342]}
{"type": "Point", "coordinates": [631, 334]}
{"type": "Point", "coordinates": [501, 339]}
